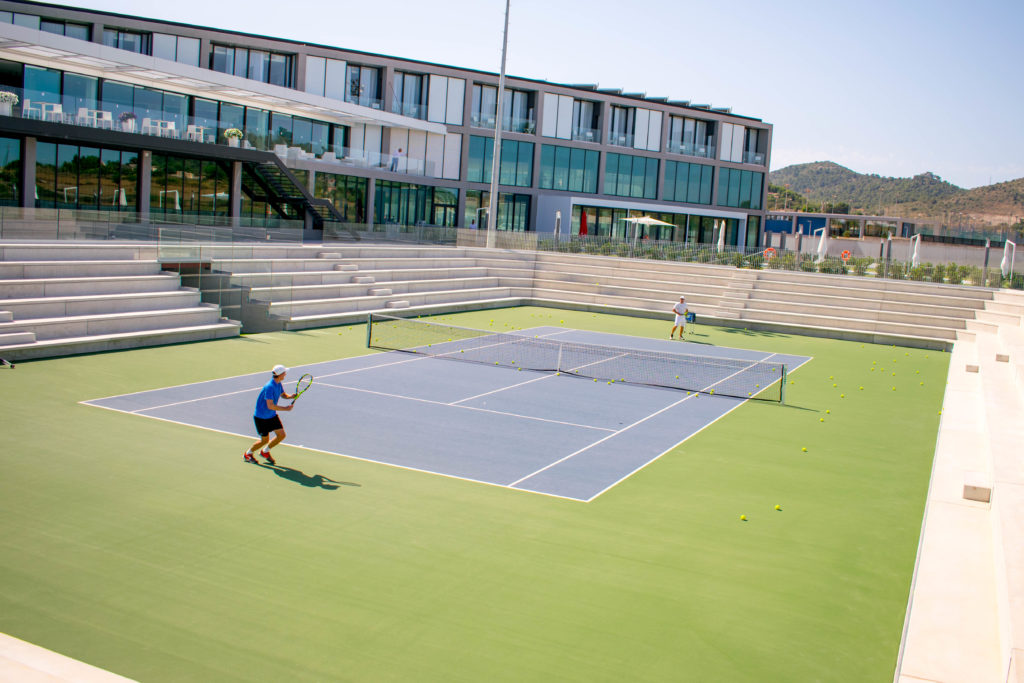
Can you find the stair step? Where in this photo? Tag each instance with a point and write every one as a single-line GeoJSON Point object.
{"type": "Point", "coordinates": [121, 340]}
{"type": "Point", "coordinates": [397, 304]}
{"type": "Point", "coordinates": [364, 280]}
{"type": "Point", "coordinates": [6, 316]}
{"type": "Point", "coordinates": [347, 267]}
{"type": "Point", "coordinates": [380, 292]}
{"type": "Point", "coordinates": [329, 254]}
{"type": "Point", "coordinates": [11, 338]}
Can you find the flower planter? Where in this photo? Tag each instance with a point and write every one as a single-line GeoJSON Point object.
{"type": "Point", "coordinates": [128, 126]}
{"type": "Point", "coordinates": [5, 108]}
{"type": "Point", "coordinates": [232, 142]}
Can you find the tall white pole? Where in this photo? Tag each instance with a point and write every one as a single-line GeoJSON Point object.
{"type": "Point", "coordinates": [492, 205]}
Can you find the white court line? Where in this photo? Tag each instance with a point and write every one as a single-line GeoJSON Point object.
{"type": "Point", "coordinates": [629, 427]}
{"type": "Point", "coordinates": [482, 410]}
{"type": "Point", "coordinates": [495, 391]}
{"type": "Point", "coordinates": [350, 457]}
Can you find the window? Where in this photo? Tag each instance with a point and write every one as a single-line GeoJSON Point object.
{"type": "Point", "coordinates": [513, 210]}
{"type": "Point", "coordinates": [406, 204]}
{"type": "Point", "coordinates": [585, 121]}
{"type": "Point", "coordinates": [258, 65]}
{"type": "Point", "coordinates": [741, 189]}
{"type": "Point", "coordinates": [325, 77]}
{"type": "Point", "coordinates": [363, 86]}
{"type": "Point", "coordinates": [620, 130]}
{"type": "Point", "coordinates": [347, 193]}
{"type": "Point", "coordinates": [516, 166]}
{"type": "Point", "coordinates": [631, 176]}
{"type": "Point", "coordinates": [10, 170]}
{"type": "Point", "coordinates": [692, 137]}
{"type": "Point", "coordinates": [128, 40]}
{"type": "Point", "coordinates": [568, 168]}
{"type": "Point", "coordinates": [61, 28]}
{"type": "Point", "coordinates": [176, 48]}
{"type": "Point", "coordinates": [410, 95]}
{"type": "Point", "coordinates": [690, 183]}
{"type": "Point", "coordinates": [73, 177]}
{"type": "Point", "coordinates": [755, 142]}
{"type": "Point", "coordinates": [484, 107]}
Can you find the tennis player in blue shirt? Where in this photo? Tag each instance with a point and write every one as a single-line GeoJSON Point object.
{"type": "Point", "coordinates": [265, 416]}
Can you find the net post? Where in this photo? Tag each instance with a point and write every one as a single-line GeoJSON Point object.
{"type": "Point", "coordinates": [369, 328]}
{"type": "Point", "coordinates": [782, 389]}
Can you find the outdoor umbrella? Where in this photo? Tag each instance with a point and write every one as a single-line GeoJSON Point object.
{"type": "Point", "coordinates": [583, 222]}
{"type": "Point", "coordinates": [915, 258]}
{"type": "Point", "coordinates": [644, 220]}
{"type": "Point", "coordinates": [823, 243]}
{"type": "Point", "coordinates": [721, 236]}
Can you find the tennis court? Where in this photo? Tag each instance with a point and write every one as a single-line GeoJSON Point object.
{"type": "Point", "coordinates": [570, 427]}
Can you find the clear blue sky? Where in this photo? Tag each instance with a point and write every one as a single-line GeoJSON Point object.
{"type": "Point", "coordinates": [894, 87]}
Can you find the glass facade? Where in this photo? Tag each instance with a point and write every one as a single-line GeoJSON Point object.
{"type": "Point", "coordinates": [693, 137]}
{"type": "Point", "coordinates": [620, 125]}
{"type": "Point", "coordinates": [513, 210]}
{"type": "Point", "coordinates": [347, 193]}
{"type": "Point", "coordinates": [363, 86]}
{"type": "Point", "coordinates": [410, 95]}
{"type": "Point", "coordinates": [10, 168]}
{"type": "Point", "coordinates": [517, 110]}
{"type": "Point", "coordinates": [631, 176]}
{"type": "Point", "coordinates": [741, 189]}
{"type": "Point", "coordinates": [407, 204]}
{"type": "Point", "coordinates": [753, 230]}
{"type": "Point", "coordinates": [326, 77]}
{"type": "Point", "coordinates": [131, 41]}
{"type": "Point", "coordinates": [259, 65]}
{"type": "Point", "coordinates": [183, 185]}
{"type": "Point", "coordinates": [568, 168]}
{"type": "Point", "coordinates": [690, 183]}
{"type": "Point", "coordinates": [74, 177]}
{"type": "Point", "coordinates": [516, 167]}
{"type": "Point", "coordinates": [176, 48]}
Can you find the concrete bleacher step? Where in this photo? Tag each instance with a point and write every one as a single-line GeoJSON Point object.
{"type": "Point", "coordinates": [290, 310]}
{"type": "Point", "coordinates": [342, 291]}
{"type": "Point", "coordinates": [52, 307]}
{"type": "Point", "coordinates": [13, 338]}
{"type": "Point", "coordinates": [397, 304]}
{"type": "Point", "coordinates": [328, 277]}
{"type": "Point", "coordinates": [55, 269]}
{"type": "Point", "coordinates": [113, 323]}
{"type": "Point", "coordinates": [71, 251]}
{"type": "Point", "coordinates": [73, 286]}
{"type": "Point", "coordinates": [850, 299]}
{"type": "Point", "coordinates": [381, 292]}
{"type": "Point", "coordinates": [836, 322]}
{"type": "Point", "coordinates": [64, 346]}
{"type": "Point", "coordinates": [346, 267]}
{"type": "Point", "coordinates": [855, 312]}
{"type": "Point", "coordinates": [6, 316]}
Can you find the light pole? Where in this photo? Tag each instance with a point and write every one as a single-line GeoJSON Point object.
{"type": "Point", "coordinates": [496, 156]}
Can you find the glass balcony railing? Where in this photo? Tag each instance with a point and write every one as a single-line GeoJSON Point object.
{"type": "Point", "coordinates": [416, 111]}
{"type": "Point", "coordinates": [692, 149]}
{"type": "Point", "coordinates": [586, 134]}
{"type": "Point", "coordinates": [481, 121]}
{"type": "Point", "coordinates": [753, 158]}
{"type": "Point", "coordinates": [366, 102]}
{"type": "Point", "coordinates": [169, 125]}
{"type": "Point", "coordinates": [520, 125]}
{"type": "Point", "coordinates": [620, 139]}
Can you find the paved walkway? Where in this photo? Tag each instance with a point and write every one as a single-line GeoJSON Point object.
{"type": "Point", "coordinates": [22, 662]}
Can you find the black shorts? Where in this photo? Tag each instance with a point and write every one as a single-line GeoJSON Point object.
{"type": "Point", "coordinates": [265, 425]}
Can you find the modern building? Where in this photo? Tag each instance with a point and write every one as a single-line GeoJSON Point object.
{"type": "Point", "coordinates": [121, 113]}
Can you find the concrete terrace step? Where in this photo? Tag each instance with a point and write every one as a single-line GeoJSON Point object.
{"type": "Point", "coordinates": [682, 276]}
{"type": "Point", "coordinates": [53, 307]}
{"type": "Point", "coordinates": [315, 264]}
{"type": "Point", "coordinates": [655, 294]}
{"type": "Point", "coordinates": [422, 308]}
{"type": "Point", "coordinates": [851, 299]}
{"type": "Point", "coordinates": [941, 298]}
{"type": "Point", "coordinates": [870, 314]}
{"type": "Point", "coordinates": [72, 286]}
{"type": "Point", "coordinates": [93, 343]}
{"type": "Point", "coordinates": [52, 269]}
{"type": "Point", "coordinates": [333, 277]}
{"type": "Point", "coordinates": [113, 323]}
{"type": "Point", "coordinates": [834, 322]}
{"type": "Point", "coordinates": [291, 310]}
{"type": "Point", "coordinates": [871, 283]}
{"type": "Point", "coordinates": [76, 252]}
{"type": "Point", "coordinates": [321, 292]}
{"type": "Point", "coordinates": [672, 288]}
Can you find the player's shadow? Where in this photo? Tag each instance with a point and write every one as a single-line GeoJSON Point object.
{"type": "Point", "coordinates": [303, 479]}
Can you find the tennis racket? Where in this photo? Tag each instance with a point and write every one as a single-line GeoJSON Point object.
{"type": "Point", "coordinates": [305, 382]}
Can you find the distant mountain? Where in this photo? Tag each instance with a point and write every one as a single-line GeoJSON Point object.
{"type": "Point", "coordinates": [923, 196]}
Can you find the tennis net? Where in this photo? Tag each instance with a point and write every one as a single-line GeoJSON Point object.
{"type": "Point", "coordinates": [707, 374]}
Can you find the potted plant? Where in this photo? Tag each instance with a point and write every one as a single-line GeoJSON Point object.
{"type": "Point", "coordinates": [7, 101]}
{"type": "Point", "coordinates": [127, 120]}
{"type": "Point", "coordinates": [233, 135]}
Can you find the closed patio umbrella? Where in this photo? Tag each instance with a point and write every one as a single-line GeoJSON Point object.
{"type": "Point", "coordinates": [583, 222]}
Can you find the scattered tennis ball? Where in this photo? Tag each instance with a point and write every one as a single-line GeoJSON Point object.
{"type": "Point", "coordinates": [821, 419]}
{"type": "Point", "coordinates": [609, 382]}
{"type": "Point", "coordinates": [561, 321]}
{"type": "Point", "coordinates": [519, 369]}
{"type": "Point", "coordinates": [677, 376]}
{"type": "Point", "coordinates": [748, 393]}
{"type": "Point", "coordinates": [831, 377]}
{"type": "Point", "coordinates": [495, 362]}
{"type": "Point", "coordinates": [595, 380]}
{"type": "Point", "coordinates": [917, 372]}
{"type": "Point", "coordinates": [804, 449]}
{"type": "Point", "coordinates": [743, 518]}
{"type": "Point", "coordinates": [828, 412]}
{"type": "Point", "coordinates": [834, 384]}
{"type": "Point", "coordinates": [922, 384]}
{"type": "Point", "coordinates": [894, 388]}
{"type": "Point", "coordinates": [712, 391]}
{"type": "Point", "coordinates": [894, 374]}
{"type": "Point", "coordinates": [778, 507]}
{"type": "Point", "coordinates": [842, 395]}
{"type": "Point", "coordinates": [757, 386]}
{"type": "Point", "coordinates": [862, 388]}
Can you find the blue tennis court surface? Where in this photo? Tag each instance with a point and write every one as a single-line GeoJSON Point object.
{"type": "Point", "coordinates": [557, 435]}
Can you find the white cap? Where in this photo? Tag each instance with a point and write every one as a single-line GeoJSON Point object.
{"type": "Point", "coordinates": [279, 370]}
{"type": "Point", "coordinates": [681, 296]}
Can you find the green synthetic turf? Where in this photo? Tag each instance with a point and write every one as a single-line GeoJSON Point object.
{"type": "Point", "coordinates": [152, 550]}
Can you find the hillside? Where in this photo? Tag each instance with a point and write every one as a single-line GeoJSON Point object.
{"type": "Point", "coordinates": [923, 196]}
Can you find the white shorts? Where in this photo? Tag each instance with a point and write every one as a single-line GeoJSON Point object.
{"type": "Point", "coordinates": [680, 319]}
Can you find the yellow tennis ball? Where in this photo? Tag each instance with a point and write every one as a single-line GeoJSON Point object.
{"type": "Point", "coordinates": [821, 419]}
{"type": "Point", "coordinates": [804, 449]}
{"type": "Point", "coordinates": [828, 412]}
{"type": "Point", "coordinates": [922, 384]}
{"type": "Point", "coordinates": [834, 384]}
{"type": "Point", "coordinates": [842, 395]}
{"type": "Point", "coordinates": [743, 518]}
{"type": "Point", "coordinates": [862, 388]}
{"type": "Point", "coordinates": [712, 391]}
{"type": "Point", "coordinates": [778, 507]}
{"type": "Point", "coordinates": [831, 377]}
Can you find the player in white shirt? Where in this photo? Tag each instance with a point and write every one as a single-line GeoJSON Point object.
{"type": "Point", "coordinates": [680, 310]}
